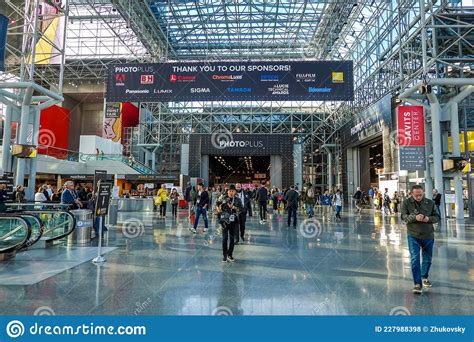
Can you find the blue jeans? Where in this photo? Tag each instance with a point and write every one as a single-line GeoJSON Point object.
{"type": "Point", "coordinates": [309, 209]}
{"type": "Point", "coordinates": [338, 211]}
{"type": "Point", "coordinates": [199, 212]}
{"type": "Point", "coordinates": [426, 246]}
{"type": "Point", "coordinates": [292, 213]}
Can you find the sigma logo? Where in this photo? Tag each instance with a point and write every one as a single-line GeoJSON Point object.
{"type": "Point", "coordinates": [134, 69]}
{"type": "Point", "coordinates": [240, 143]}
{"type": "Point", "coordinates": [120, 79]}
{"type": "Point", "coordinates": [200, 90]}
{"type": "Point", "coordinates": [146, 79]}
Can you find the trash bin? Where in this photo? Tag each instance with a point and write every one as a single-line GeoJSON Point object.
{"type": "Point", "coordinates": [82, 232]}
{"type": "Point", "coordinates": [113, 212]}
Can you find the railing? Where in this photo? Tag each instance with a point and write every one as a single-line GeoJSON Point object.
{"type": "Point", "coordinates": [14, 232]}
{"type": "Point", "coordinates": [76, 156]}
{"type": "Point", "coordinates": [136, 165]}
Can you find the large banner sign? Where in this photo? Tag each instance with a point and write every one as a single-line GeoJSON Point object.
{"type": "Point", "coordinates": [411, 137]}
{"type": "Point", "coordinates": [3, 40]}
{"type": "Point", "coordinates": [231, 81]}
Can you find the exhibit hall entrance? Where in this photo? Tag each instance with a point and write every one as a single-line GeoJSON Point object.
{"type": "Point", "coordinates": [238, 169]}
{"type": "Point", "coordinates": [244, 158]}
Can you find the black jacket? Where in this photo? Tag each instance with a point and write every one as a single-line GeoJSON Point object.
{"type": "Point", "coordinates": [426, 207]}
{"type": "Point", "coordinates": [291, 198]}
{"type": "Point", "coordinates": [203, 199]}
{"type": "Point", "coordinates": [187, 192]}
{"type": "Point", "coordinates": [226, 210]}
{"type": "Point", "coordinates": [262, 194]}
{"type": "Point", "coordinates": [246, 203]}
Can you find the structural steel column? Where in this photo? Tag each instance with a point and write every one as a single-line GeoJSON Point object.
{"type": "Point", "coordinates": [298, 165]}
{"type": "Point", "coordinates": [7, 136]}
{"type": "Point", "coordinates": [22, 139]}
{"type": "Point", "coordinates": [330, 184]}
{"type": "Point", "coordinates": [456, 152]}
{"type": "Point", "coordinates": [33, 161]}
{"type": "Point", "coordinates": [437, 147]}
{"type": "Point", "coordinates": [205, 169]}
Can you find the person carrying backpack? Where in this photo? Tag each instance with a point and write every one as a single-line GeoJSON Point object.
{"type": "Point", "coordinates": [358, 199]}
{"type": "Point", "coordinates": [309, 201]}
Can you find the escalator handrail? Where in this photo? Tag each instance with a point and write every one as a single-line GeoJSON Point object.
{"type": "Point", "coordinates": [56, 211]}
{"type": "Point", "coordinates": [32, 239]}
{"type": "Point", "coordinates": [21, 243]}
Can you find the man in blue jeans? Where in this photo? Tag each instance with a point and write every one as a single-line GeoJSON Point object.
{"type": "Point", "coordinates": [201, 203]}
{"type": "Point", "coordinates": [291, 198]}
{"type": "Point", "coordinates": [419, 213]}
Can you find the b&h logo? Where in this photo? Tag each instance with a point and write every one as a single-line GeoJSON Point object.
{"type": "Point", "coordinates": [337, 77]}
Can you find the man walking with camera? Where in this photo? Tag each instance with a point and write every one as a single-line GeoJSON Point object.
{"type": "Point", "coordinates": [229, 208]}
{"type": "Point", "coordinates": [419, 214]}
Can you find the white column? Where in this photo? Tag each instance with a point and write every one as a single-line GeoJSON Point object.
{"type": "Point", "coordinates": [437, 147]}
{"type": "Point", "coordinates": [456, 152]}
{"type": "Point", "coordinates": [298, 165]}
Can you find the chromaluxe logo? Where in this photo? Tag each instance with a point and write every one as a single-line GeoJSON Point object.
{"type": "Point", "coordinates": [15, 329]}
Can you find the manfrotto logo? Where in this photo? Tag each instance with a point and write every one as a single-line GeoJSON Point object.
{"type": "Point", "coordinates": [240, 143]}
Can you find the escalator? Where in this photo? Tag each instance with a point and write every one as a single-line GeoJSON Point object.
{"type": "Point", "coordinates": [22, 229]}
{"type": "Point", "coordinates": [15, 232]}
{"type": "Point", "coordinates": [57, 224]}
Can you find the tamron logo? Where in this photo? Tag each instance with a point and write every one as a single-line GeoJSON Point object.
{"type": "Point", "coordinates": [240, 143]}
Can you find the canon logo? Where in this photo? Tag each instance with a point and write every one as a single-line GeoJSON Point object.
{"type": "Point", "coordinates": [240, 143]}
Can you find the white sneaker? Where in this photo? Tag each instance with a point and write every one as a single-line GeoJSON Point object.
{"type": "Point", "coordinates": [205, 230]}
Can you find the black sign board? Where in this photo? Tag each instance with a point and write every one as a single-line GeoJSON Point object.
{"type": "Point", "coordinates": [7, 179]}
{"type": "Point", "coordinates": [232, 81]}
{"type": "Point", "coordinates": [99, 175]}
{"type": "Point", "coordinates": [103, 198]}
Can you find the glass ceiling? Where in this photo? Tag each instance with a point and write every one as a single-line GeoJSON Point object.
{"type": "Point", "coordinates": [238, 28]}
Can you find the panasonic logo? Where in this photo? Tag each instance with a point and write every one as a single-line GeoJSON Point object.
{"type": "Point", "coordinates": [138, 91]}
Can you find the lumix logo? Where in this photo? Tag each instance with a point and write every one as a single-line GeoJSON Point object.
{"type": "Point", "coordinates": [240, 143]}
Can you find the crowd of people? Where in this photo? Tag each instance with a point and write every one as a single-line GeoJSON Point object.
{"type": "Point", "coordinates": [232, 204]}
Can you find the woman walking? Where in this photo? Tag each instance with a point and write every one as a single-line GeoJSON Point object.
{"type": "Point", "coordinates": [338, 199]}
{"type": "Point", "coordinates": [174, 200]}
{"type": "Point", "coordinates": [163, 195]}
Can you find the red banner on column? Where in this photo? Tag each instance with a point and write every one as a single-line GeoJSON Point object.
{"type": "Point", "coordinates": [411, 126]}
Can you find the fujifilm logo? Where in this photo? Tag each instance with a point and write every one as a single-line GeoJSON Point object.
{"type": "Point", "coordinates": [240, 143]}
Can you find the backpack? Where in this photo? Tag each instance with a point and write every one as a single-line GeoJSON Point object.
{"type": "Point", "coordinates": [310, 193]}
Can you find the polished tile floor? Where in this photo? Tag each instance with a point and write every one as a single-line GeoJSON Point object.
{"type": "Point", "coordinates": [359, 266]}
